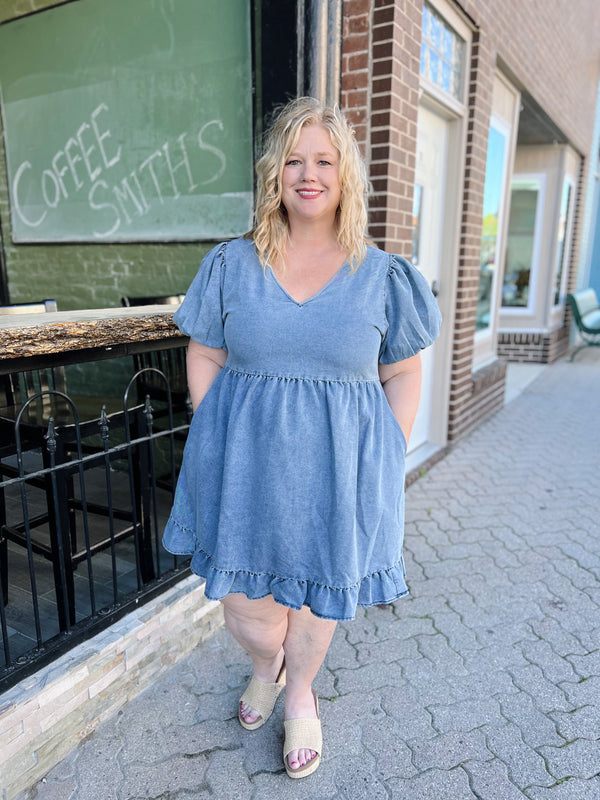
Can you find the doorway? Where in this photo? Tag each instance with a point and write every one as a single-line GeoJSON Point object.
{"type": "Point", "coordinates": [431, 179]}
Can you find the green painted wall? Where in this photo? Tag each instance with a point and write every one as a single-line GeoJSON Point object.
{"type": "Point", "coordinates": [82, 275]}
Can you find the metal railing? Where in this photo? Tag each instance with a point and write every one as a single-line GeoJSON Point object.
{"type": "Point", "coordinates": [82, 508]}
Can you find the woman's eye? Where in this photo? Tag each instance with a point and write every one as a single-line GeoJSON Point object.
{"type": "Point", "coordinates": [324, 163]}
{"type": "Point", "coordinates": [292, 162]}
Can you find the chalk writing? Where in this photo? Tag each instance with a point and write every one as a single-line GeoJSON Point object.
{"type": "Point", "coordinates": [90, 158]}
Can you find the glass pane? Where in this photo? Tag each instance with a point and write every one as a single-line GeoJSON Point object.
{"type": "Point", "coordinates": [446, 80]}
{"type": "Point", "coordinates": [424, 70]}
{"type": "Point", "coordinates": [492, 197]}
{"type": "Point", "coordinates": [426, 18]}
{"type": "Point", "coordinates": [562, 232]}
{"type": "Point", "coordinates": [447, 45]}
{"type": "Point", "coordinates": [455, 84]}
{"type": "Point", "coordinates": [459, 81]}
{"type": "Point", "coordinates": [416, 223]}
{"type": "Point", "coordinates": [520, 245]}
{"type": "Point", "coordinates": [436, 32]}
{"type": "Point", "coordinates": [434, 67]}
{"type": "Point", "coordinates": [442, 54]}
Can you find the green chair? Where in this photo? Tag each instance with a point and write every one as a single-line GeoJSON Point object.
{"type": "Point", "coordinates": [586, 316]}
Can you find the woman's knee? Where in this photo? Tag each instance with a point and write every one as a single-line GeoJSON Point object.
{"type": "Point", "coordinates": [263, 613]}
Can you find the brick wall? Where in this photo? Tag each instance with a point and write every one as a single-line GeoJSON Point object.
{"type": "Point", "coordinates": [390, 145]}
{"type": "Point", "coordinates": [541, 348]}
{"type": "Point", "coordinates": [356, 68]}
{"type": "Point", "coordinates": [380, 85]}
{"type": "Point", "coordinates": [578, 222]}
{"type": "Point", "coordinates": [550, 51]}
{"type": "Point", "coordinates": [394, 108]}
{"type": "Point", "coordinates": [482, 397]}
{"type": "Point", "coordinates": [468, 406]}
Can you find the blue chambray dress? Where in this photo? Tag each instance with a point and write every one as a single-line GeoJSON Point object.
{"type": "Point", "coordinates": [292, 481]}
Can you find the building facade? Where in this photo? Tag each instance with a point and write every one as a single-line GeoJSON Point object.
{"type": "Point", "coordinates": [478, 120]}
{"type": "Point", "coordinates": [477, 123]}
{"type": "Point", "coordinates": [480, 125]}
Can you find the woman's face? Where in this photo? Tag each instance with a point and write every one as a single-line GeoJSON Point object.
{"type": "Point", "coordinates": [311, 177]}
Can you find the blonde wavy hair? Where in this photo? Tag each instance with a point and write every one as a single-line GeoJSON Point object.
{"type": "Point", "coordinates": [271, 231]}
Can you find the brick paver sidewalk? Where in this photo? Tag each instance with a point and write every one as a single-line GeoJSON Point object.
{"type": "Point", "coordinates": [484, 684]}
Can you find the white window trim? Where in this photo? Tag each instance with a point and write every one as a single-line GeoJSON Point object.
{"type": "Point", "coordinates": [485, 341]}
{"type": "Point", "coordinates": [438, 101]}
{"type": "Point", "coordinates": [568, 245]}
{"type": "Point", "coordinates": [456, 21]}
{"type": "Point", "coordinates": [450, 103]}
{"type": "Point", "coordinates": [489, 334]}
{"type": "Point", "coordinates": [523, 179]}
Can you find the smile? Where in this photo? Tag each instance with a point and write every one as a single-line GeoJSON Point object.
{"type": "Point", "coordinates": [308, 193]}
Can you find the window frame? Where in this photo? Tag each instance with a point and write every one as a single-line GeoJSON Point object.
{"type": "Point", "coordinates": [568, 180]}
{"type": "Point", "coordinates": [499, 125]}
{"type": "Point", "coordinates": [505, 116]}
{"type": "Point", "coordinates": [521, 180]}
{"type": "Point", "coordinates": [454, 23]}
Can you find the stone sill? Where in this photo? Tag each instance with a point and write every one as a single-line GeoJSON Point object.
{"type": "Point", "coordinates": [26, 335]}
{"type": "Point", "coordinates": [48, 714]}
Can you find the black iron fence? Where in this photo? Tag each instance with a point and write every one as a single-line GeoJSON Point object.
{"type": "Point", "coordinates": [83, 502]}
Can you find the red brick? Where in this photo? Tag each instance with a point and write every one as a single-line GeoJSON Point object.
{"type": "Point", "coordinates": [385, 82]}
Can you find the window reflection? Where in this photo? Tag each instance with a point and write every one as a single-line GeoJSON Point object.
{"type": "Point", "coordinates": [446, 78]}
{"type": "Point", "coordinates": [520, 243]}
{"type": "Point", "coordinates": [448, 44]}
{"type": "Point", "coordinates": [492, 199]}
{"type": "Point", "coordinates": [442, 54]}
{"type": "Point", "coordinates": [435, 29]}
{"type": "Point", "coordinates": [562, 233]}
{"type": "Point", "coordinates": [416, 223]}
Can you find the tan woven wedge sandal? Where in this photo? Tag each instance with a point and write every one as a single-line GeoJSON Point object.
{"type": "Point", "coordinates": [303, 734]}
{"type": "Point", "coordinates": [262, 698]}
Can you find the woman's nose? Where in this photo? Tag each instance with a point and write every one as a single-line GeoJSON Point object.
{"type": "Point", "coordinates": [308, 171]}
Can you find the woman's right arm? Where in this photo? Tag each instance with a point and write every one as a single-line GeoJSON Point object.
{"type": "Point", "coordinates": [203, 365]}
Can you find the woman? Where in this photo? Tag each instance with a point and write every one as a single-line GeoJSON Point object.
{"type": "Point", "coordinates": [304, 373]}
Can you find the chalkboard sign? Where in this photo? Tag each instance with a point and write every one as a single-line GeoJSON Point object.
{"type": "Point", "coordinates": [128, 120]}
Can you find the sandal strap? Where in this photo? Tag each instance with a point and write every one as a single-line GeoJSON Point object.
{"type": "Point", "coordinates": [302, 733]}
{"type": "Point", "coordinates": [262, 696]}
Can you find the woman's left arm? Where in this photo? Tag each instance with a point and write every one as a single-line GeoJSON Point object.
{"type": "Point", "coordinates": [402, 386]}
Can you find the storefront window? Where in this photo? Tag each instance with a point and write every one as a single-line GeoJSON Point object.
{"type": "Point", "coordinates": [492, 204]}
{"type": "Point", "coordinates": [416, 223]}
{"type": "Point", "coordinates": [442, 54]}
{"type": "Point", "coordinates": [563, 226]}
{"type": "Point", "coordinates": [521, 250]}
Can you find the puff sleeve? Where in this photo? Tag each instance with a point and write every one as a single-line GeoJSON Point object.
{"type": "Point", "coordinates": [412, 314]}
{"type": "Point", "coordinates": [200, 316]}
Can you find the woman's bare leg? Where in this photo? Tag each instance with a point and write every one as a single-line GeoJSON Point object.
{"type": "Point", "coordinates": [306, 643]}
{"type": "Point", "coordinates": [260, 627]}
{"type": "Point", "coordinates": [267, 630]}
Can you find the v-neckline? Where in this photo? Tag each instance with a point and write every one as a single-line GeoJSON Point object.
{"type": "Point", "coordinates": [313, 296]}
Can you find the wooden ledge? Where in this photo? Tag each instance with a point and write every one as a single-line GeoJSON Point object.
{"type": "Point", "coordinates": [27, 335]}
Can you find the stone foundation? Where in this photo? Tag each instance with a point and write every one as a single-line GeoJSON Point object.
{"type": "Point", "coordinates": [48, 714]}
